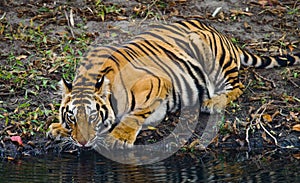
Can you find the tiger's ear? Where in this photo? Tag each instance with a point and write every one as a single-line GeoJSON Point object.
{"type": "Point", "coordinates": [102, 87]}
{"type": "Point", "coordinates": [65, 86]}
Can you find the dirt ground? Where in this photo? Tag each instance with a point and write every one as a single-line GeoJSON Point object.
{"type": "Point", "coordinates": [41, 41]}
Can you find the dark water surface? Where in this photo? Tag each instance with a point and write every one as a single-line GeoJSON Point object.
{"type": "Point", "coordinates": [210, 167]}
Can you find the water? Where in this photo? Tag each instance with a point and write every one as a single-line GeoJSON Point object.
{"type": "Point", "coordinates": [186, 167]}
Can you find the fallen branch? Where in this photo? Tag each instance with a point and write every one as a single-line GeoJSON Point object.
{"type": "Point", "coordinates": [257, 118]}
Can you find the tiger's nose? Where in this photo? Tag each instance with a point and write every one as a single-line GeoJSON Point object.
{"type": "Point", "coordinates": [82, 142]}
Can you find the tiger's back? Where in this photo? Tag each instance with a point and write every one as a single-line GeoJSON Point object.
{"type": "Point", "coordinates": [182, 64]}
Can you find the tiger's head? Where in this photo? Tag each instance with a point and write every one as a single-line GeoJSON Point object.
{"type": "Point", "coordinates": [86, 110]}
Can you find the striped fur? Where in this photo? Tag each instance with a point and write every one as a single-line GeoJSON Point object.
{"type": "Point", "coordinates": [119, 89]}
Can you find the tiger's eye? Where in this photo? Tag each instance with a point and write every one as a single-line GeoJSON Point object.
{"type": "Point", "coordinates": [93, 117]}
{"type": "Point", "coordinates": [71, 118]}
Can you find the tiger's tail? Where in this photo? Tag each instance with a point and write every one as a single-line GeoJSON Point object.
{"type": "Point", "coordinates": [249, 59]}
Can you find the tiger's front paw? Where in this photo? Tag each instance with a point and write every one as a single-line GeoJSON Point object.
{"type": "Point", "coordinates": [120, 139]}
{"type": "Point", "coordinates": [56, 131]}
{"type": "Point", "coordinates": [112, 142]}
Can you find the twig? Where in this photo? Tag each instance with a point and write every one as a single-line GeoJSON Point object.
{"type": "Point", "coordinates": [275, 140]}
{"type": "Point", "coordinates": [68, 20]}
{"type": "Point", "coordinates": [295, 84]}
{"type": "Point", "coordinates": [148, 8]}
{"type": "Point", "coordinates": [266, 79]}
{"type": "Point", "coordinates": [247, 137]}
{"type": "Point", "coordinates": [2, 17]}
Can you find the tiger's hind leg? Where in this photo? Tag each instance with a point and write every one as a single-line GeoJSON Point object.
{"type": "Point", "coordinates": [218, 103]}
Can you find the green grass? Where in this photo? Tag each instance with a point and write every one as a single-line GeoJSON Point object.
{"type": "Point", "coordinates": [292, 11]}
{"type": "Point", "coordinates": [28, 77]}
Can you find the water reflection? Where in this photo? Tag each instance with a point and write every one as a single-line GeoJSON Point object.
{"type": "Point", "coordinates": [212, 167]}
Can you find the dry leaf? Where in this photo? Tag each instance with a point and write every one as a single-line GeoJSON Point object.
{"type": "Point", "coordinates": [247, 26]}
{"type": "Point", "coordinates": [294, 116]}
{"type": "Point", "coordinates": [10, 158]}
{"type": "Point", "coordinates": [17, 139]}
{"type": "Point", "coordinates": [297, 156]}
{"type": "Point", "coordinates": [267, 117]}
{"type": "Point", "coordinates": [267, 2]}
{"type": "Point", "coordinates": [11, 133]}
{"type": "Point", "coordinates": [264, 136]}
{"type": "Point", "coordinates": [239, 12]}
{"type": "Point", "coordinates": [31, 143]}
{"type": "Point", "coordinates": [226, 137]}
{"type": "Point", "coordinates": [194, 143]}
{"type": "Point", "coordinates": [151, 128]}
{"type": "Point", "coordinates": [20, 57]}
{"type": "Point", "coordinates": [291, 47]}
{"type": "Point", "coordinates": [262, 2]}
{"type": "Point", "coordinates": [119, 18]}
{"type": "Point", "coordinates": [296, 127]}
{"type": "Point", "coordinates": [235, 131]}
{"type": "Point", "coordinates": [275, 114]}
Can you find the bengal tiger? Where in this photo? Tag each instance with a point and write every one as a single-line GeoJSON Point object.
{"type": "Point", "coordinates": [118, 89]}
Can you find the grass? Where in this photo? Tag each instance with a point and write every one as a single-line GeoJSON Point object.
{"type": "Point", "coordinates": [104, 9]}
{"type": "Point", "coordinates": [31, 75]}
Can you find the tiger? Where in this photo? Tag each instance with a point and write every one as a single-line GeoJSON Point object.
{"type": "Point", "coordinates": [119, 89]}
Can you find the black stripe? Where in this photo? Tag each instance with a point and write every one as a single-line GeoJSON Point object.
{"type": "Point", "coordinates": [107, 56]}
{"type": "Point", "coordinates": [101, 115]}
{"type": "Point", "coordinates": [199, 55]}
{"type": "Point", "coordinates": [112, 48]}
{"type": "Point", "coordinates": [174, 96]}
{"type": "Point", "coordinates": [267, 61]}
{"type": "Point", "coordinates": [183, 45]}
{"type": "Point", "coordinates": [130, 52]}
{"type": "Point", "coordinates": [246, 57]}
{"type": "Point", "coordinates": [222, 58]}
{"type": "Point", "coordinates": [106, 70]}
{"type": "Point", "coordinates": [254, 60]}
{"type": "Point", "coordinates": [163, 65]}
{"type": "Point", "coordinates": [106, 112]}
{"type": "Point", "coordinates": [145, 114]}
{"type": "Point", "coordinates": [155, 35]}
{"type": "Point", "coordinates": [144, 52]}
{"type": "Point", "coordinates": [97, 107]}
{"type": "Point", "coordinates": [81, 101]}
{"type": "Point", "coordinates": [187, 68]}
{"type": "Point", "coordinates": [99, 83]}
{"type": "Point", "coordinates": [63, 114]}
{"type": "Point", "coordinates": [84, 83]}
{"type": "Point", "coordinates": [150, 91]}
{"type": "Point", "coordinates": [213, 43]}
{"type": "Point", "coordinates": [285, 60]}
{"type": "Point", "coordinates": [192, 22]}
{"type": "Point", "coordinates": [132, 101]}
{"type": "Point", "coordinates": [82, 95]}
{"type": "Point", "coordinates": [173, 30]}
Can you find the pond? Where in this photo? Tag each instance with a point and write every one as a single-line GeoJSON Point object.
{"type": "Point", "coordinates": [89, 166]}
